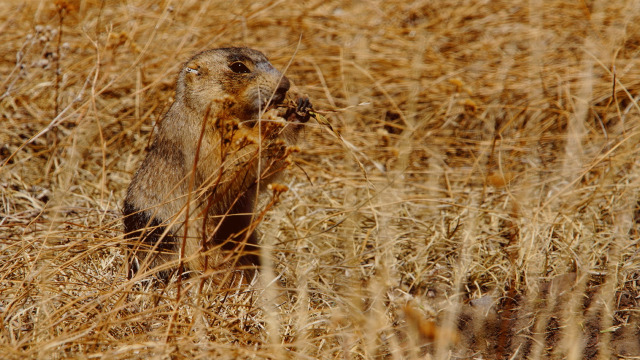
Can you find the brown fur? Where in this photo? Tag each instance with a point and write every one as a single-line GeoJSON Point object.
{"type": "Point", "coordinates": [211, 127]}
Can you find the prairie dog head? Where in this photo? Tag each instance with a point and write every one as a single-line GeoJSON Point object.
{"type": "Point", "coordinates": [244, 75]}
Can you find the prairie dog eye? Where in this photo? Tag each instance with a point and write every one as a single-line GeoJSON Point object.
{"type": "Point", "coordinates": [239, 68]}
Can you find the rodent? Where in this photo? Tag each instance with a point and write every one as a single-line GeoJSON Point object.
{"type": "Point", "coordinates": [212, 128]}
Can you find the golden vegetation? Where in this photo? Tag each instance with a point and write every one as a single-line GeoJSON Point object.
{"type": "Point", "coordinates": [481, 202]}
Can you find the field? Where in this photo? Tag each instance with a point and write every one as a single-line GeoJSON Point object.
{"type": "Point", "coordinates": [478, 200]}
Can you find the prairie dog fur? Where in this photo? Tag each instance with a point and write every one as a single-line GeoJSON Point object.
{"type": "Point", "coordinates": [193, 196]}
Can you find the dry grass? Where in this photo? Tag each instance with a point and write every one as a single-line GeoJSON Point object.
{"type": "Point", "coordinates": [482, 205]}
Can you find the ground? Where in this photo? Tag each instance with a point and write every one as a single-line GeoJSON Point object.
{"type": "Point", "coordinates": [478, 199]}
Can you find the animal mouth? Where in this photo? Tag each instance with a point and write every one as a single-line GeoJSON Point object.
{"type": "Point", "coordinates": [264, 103]}
{"type": "Point", "coordinates": [276, 101]}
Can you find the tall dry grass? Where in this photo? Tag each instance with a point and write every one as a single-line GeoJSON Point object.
{"type": "Point", "coordinates": [482, 202]}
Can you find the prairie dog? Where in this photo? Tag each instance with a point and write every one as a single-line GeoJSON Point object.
{"type": "Point", "coordinates": [214, 149]}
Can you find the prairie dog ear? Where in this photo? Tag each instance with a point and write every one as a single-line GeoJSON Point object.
{"type": "Point", "coordinates": [192, 68]}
